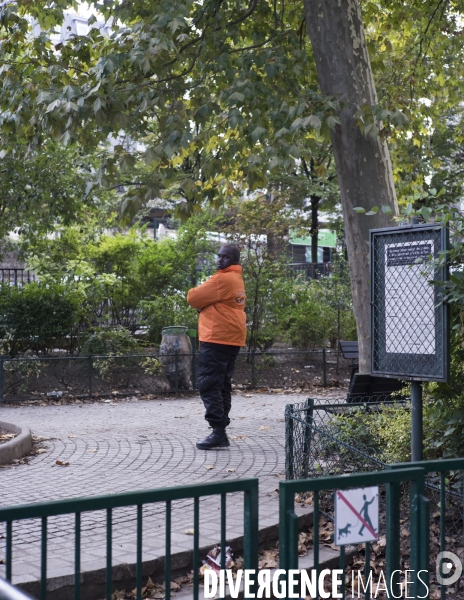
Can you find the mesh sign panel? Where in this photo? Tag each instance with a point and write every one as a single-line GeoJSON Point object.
{"type": "Point", "coordinates": [409, 323]}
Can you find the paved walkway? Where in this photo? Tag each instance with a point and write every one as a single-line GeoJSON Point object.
{"type": "Point", "coordinates": [134, 444]}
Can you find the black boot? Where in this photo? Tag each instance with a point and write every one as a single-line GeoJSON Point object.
{"type": "Point", "coordinates": [217, 439]}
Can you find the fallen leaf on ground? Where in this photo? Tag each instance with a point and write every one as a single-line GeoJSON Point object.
{"type": "Point", "coordinates": [189, 532]}
{"type": "Point", "coordinates": [72, 436]}
{"type": "Point", "coordinates": [209, 467]}
{"type": "Point", "coordinates": [60, 463]}
{"type": "Point", "coordinates": [264, 428]}
{"type": "Point", "coordinates": [41, 450]}
{"type": "Point", "coordinates": [230, 470]}
{"type": "Point", "coordinates": [237, 437]}
{"type": "Point", "coordinates": [93, 450]}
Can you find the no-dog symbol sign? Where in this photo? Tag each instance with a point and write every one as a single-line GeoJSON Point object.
{"type": "Point", "coordinates": [356, 516]}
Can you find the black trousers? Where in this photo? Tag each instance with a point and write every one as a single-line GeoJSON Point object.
{"type": "Point", "coordinates": [216, 363]}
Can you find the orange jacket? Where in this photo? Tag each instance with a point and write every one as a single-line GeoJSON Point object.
{"type": "Point", "coordinates": [222, 302]}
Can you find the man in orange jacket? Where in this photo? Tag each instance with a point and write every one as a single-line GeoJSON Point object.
{"type": "Point", "coordinates": [220, 302]}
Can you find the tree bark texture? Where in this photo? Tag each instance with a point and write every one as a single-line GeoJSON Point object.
{"type": "Point", "coordinates": [363, 163]}
{"type": "Point", "coordinates": [314, 230]}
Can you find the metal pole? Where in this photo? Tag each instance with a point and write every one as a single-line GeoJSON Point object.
{"type": "Point", "coordinates": [2, 378]}
{"type": "Point", "coordinates": [289, 471]}
{"type": "Point", "coordinates": [90, 368]}
{"type": "Point", "coordinates": [308, 432]}
{"type": "Point", "coordinates": [176, 372]}
{"type": "Point", "coordinates": [416, 421]}
{"type": "Point", "coordinates": [324, 368]}
{"type": "Point", "coordinates": [253, 368]}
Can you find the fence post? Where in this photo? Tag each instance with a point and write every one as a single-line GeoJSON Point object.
{"type": "Point", "coordinates": [424, 546]}
{"type": "Point", "coordinates": [288, 442]}
{"type": "Point", "coordinates": [176, 371]}
{"type": "Point", "coordinates": [307, 438]}
{"type": "Point", "coordinates": [419, 531]}
{"type": "Point", "coordinates": [2, 377]}
{"type": "Point", "coordinates": [392, 549]}
{"type": "Point", "coordinates": [250, 533]}
{"type": "Point", "coordinates": [324, 368]}
{"type": "Point", "coordinates": [253, 368]}
{"type": "Point", "coordinates": [90, 366]}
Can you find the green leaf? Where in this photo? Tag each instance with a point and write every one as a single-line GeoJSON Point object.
{"type": "Point", "coordinates": [359, 210]}
{"type": "Point", "coordinates": [314, 122]}
{"type": "Point", "coordinates": [297, 123]}
{"type": "Point", "coordinates": [331, 122]}
{"type": "Point", "coordinates": [237, 97]}
{"type": "Point", "coordinates": [281, 132]}
{"type": "Point", "coordinates": [175, 24]}
{"type": "Point", "coordinates": [386, 209]}
{"type": "Point", "coordinates": [257, 133]}
{"type": "Point", "coordinates": [426, 212]}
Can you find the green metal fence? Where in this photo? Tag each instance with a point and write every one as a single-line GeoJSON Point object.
{"type": "Point", "coordinates": [444, 485]}
{"type": "Point", "coordinates": [328, 439]}
{"type": "Point", "coordinates": [401, 484]}
{"type": "Point", "coordinates": [77, 506]}
{"type": "Point", "coordinates": [319, 443]}
{"type": "Point", "coordinates": [419, 517]}
{"type": "Point", "coordinates": [45, 378]}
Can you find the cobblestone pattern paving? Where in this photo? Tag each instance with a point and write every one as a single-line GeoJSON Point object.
{"type": "Point", "coordinates": [130, 445]}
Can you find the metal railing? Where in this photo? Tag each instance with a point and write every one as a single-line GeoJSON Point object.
{"type": "Point", "coordinates": [449, 497]}
{"type": "Point", "coordinates": [402, 485]}
{"type": "Point", "coordinates": [419, 518]}
{"type": "Point", "coordinates": [308, 271]}
{"type": "Point", "coordinates": [151, 373]}
{"type": "Point", "coordinates": [16, 277]}
{"type": "Point", "coordinates": [138, 499]}
{"type": "Point", "coordinates": [318, 443]}
{"type": "Point", "coordinates": [333, 440]}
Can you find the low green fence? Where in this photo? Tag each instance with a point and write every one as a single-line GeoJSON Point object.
{"type": "Point", "coordinates": [107, 503]}
{"type": "Point", "coordinates": [419, 517]}
{"type": "Point", "coordinates": [325, 440]}
{"type": "Point", "coordinates": [81, 377]}
{"type": "Point", "coordinates": [444, 485]}
{"type": "Point", "coordinates": [402, 485]}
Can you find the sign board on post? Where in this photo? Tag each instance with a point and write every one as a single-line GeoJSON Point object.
{"type": "Point", "coordinates": [356, 516]}
{"type": "Point", "coordinates": [410, 338]}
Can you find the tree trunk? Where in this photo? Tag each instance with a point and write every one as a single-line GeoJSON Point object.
{"type": "Point", "coordinates": [363, 163]}
{"type": "Point", "coordinates": [314, 231]}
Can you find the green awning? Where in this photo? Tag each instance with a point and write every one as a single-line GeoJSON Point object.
{"type": "Point", "coordinates": [325, 238]}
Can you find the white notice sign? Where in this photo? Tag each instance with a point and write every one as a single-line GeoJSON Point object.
{"type": "Point", "coordinates": [356, 516]}
{"type": "Point", "coordinates": [409, 299]}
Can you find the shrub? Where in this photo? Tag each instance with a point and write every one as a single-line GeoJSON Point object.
{"type": "Point", "coordinates": [34, 316]}
{"type": "Point", "coordinates": [383, 434]}
{"type": "Point", "coordinates": [19, 373]}
{"type": "Point", "coordinates": [167, 310]}
{"type": "Point", "coordinates": [308, 317]}
{"type": "Point", "coordinates": [109, 341]}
